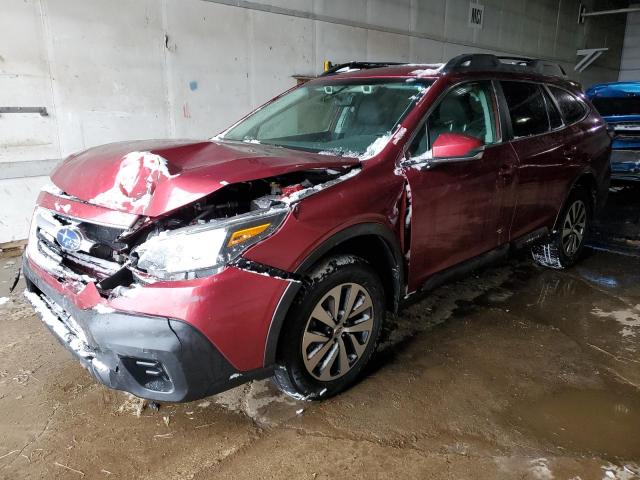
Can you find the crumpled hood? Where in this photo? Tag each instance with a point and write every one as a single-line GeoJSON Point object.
{"type": "Point", "coordinates": [155, 177]}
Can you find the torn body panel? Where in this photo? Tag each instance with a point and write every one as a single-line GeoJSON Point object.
{"type": "Point", "coordinates": [321, 216]}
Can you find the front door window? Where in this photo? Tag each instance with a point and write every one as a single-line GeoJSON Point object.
{"type": "Point", "coordinates": [468, 111]}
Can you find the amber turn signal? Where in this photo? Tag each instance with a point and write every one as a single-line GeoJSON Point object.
{"type": "Point", "coordinates": [245, 234]}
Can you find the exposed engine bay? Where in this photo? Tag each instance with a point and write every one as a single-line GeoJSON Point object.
{"type": "Point", "coordinates": [174, 246]}
{"type": "Point", "coordinates": [235, 199]}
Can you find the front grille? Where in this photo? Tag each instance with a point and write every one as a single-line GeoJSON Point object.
{"type": "Point", "coordinates": [98, 257]}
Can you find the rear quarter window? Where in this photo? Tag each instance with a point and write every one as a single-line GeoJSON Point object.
{"type": "Point", "coordinates": [571, 108]}
{"type": "Point", "coordinates": [526, 107]}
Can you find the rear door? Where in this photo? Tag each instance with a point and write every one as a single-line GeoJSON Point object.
{"type": "Point", "coordinates": [543, 154]}
{"type": "Point", "coordinates": [458, 207]}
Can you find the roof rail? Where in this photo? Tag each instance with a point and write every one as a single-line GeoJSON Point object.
{"type": "Point", "coordinates": [487, 61]}
{"type": "Point", "coordinates": [333, 69]}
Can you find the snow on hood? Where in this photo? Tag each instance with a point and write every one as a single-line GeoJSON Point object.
{"type": "Point", "coordinates": [153, 178]}
{"type": "Point", "coordinates": [135, 182]}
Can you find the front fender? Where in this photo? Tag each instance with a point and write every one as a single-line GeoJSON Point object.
{"type": "Point", "coordinates": [394, 259]}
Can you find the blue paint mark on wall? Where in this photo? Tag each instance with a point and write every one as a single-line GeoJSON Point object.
{"type": "Point", "coordinates": [193, 85]}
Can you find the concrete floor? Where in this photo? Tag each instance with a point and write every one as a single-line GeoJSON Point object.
{"type": "Point", "coordinates": [515, 372]}
{"type": "Point", "coordinates": [618, 225]}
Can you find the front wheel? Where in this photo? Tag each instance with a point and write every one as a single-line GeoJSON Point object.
{"type": "Point", "coordinates": [331, 330]}
{"type": "Point", "coordinates": [565, 246]}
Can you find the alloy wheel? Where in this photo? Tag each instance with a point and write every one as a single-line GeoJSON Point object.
{"type": "Point", "coordinates": [337, 331]}
{"type": "Point", "coordinates": [573, 227]}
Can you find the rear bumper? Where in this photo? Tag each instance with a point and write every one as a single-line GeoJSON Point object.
{"type": "Point", "coordinates": [152, 357]}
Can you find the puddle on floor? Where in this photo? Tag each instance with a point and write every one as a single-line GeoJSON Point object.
{"type": "Point", "coordinates": [598, 422]}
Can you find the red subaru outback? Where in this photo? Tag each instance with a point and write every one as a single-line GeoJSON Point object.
{"type": "Point", "coordinates": [178, 269]}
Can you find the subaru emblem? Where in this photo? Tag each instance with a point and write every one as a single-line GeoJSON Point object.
{"type": "Point", "coordinates": [69, 238]}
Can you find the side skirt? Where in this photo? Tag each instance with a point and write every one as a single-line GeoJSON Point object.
{"type": "Point", "coordinates": [461, 269]}
{"type": "Point", "coordinates": [530, 238]}
{"type": "Point", "coordinates": [465, 267]}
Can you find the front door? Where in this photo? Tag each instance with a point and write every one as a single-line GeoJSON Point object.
{"type": "Point", "coordinates": [461, 205]}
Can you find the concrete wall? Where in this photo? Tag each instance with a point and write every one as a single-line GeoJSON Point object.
{"type": "Point", "coordinates": [630, 63]}
{"type": "Point", "coordinates": [126, 69]}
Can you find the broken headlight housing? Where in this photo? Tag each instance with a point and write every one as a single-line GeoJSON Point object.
{"type": "Point", "coordinates": [204, 249]}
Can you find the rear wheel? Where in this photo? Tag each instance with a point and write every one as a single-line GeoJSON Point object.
{"type": "Point", "coordinates": [567, 242]}
{"type": "Point", "coordinates": [332, 329]}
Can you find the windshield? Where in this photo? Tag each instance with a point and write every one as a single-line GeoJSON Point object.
{"type": "Point", "coordinates": [340, 118]}
{"type": "Point", "coordinates": [612, 106]}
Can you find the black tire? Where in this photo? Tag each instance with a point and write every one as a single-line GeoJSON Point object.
{"type": "Point", "coordinates": [292, 376]}
{"type": "Point", "coordinates": [555, 253]}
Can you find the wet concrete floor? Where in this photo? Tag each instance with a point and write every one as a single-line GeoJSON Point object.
{"type": "Point", "coordinates": [617, 228]}
{"type": "Point", "coordinates": [514, 372]}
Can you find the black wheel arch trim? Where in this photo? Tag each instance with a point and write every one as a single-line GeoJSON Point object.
{"type": "Point", "coordinates": [394, 258]}
{"type": "Point", "coordinates": [596, 201]}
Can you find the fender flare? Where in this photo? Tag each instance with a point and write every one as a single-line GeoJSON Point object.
{"type": "Point", "coordinates": [394, 257]}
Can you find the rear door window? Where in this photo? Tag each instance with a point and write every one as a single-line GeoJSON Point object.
{"type": "Point", "coordinates": [572, 109]}
{"type": "Point", "coordinates": [527, 108]}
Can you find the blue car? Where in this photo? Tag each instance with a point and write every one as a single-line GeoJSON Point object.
{"type": "Point", "coordinates": [619, 105]}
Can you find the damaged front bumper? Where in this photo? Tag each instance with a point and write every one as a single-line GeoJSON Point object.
{"type": "Point", "coordinates": [153, 357]}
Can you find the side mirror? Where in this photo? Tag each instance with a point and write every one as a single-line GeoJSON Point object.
{"type": "Point", "coordinates": [455, 145]}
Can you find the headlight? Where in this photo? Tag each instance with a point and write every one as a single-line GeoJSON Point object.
{"type": "Point", "coordinates": [200, 250]}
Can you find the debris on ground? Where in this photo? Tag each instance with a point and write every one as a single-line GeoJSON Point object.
{"type": "Point", "coordinates": [23, 376]}
{"type": "Point", "coordinates": [133, 405]}
{"type": "Point", "coordinates": [69, 468]}
{"type": "Point", "coordinates": [7, 454]}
